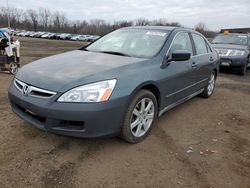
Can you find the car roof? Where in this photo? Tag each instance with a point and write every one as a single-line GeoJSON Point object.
{"type": "Point", "coordinates": [164, 28]}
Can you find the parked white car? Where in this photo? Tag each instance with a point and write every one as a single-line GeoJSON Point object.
{"type": "Point", "coordinates": [76, 37]}
{"type": "Point", "coordinates": [63, 36]}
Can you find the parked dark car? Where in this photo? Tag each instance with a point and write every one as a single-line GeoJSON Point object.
{"type": "Point", "coordinates": [3, 40]}
{"type": "Point", "coordinates": [117, 85]}
{"type": "Point", "coordinates": [234, 50]}
{"type": "Point", "coordinates": [56, 36]}
{"type": "Point", "coordinates": [39, 34]}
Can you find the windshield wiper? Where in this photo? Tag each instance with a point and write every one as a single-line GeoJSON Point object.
{"type": "Point", "coordinates": [114, 53]}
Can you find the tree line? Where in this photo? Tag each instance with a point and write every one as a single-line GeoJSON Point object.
{"type": "Point", "coordinates": [57, 21]}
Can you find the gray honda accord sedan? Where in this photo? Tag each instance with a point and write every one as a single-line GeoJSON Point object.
{"type": "Point", "coordinates": [117, 85]}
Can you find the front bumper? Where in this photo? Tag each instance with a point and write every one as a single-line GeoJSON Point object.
{"type": "Point", "coordinates": [233, 61]}
{"type": "Point", "coordinates": [77, 120]}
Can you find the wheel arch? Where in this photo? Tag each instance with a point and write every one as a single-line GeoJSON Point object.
{"type": "Point", "coordinates": [150, 86]}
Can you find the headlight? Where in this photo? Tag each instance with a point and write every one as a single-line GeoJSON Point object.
{"type": "Point", "coordinates": [95, 92]}
{"type": "Point", "coordinates": [236, 53]}
{"type": "Point", "coordinates": [222, 52]}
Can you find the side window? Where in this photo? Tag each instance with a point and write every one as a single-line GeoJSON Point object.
{"type": "Point", "coordinates": [200, 44]}
{"type": "Point", "coordinates": [182, 41]}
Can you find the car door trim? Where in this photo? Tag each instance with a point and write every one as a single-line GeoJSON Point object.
{"type": "Point", "coordinates": [192, 85]}
{"type": "Point", "coordinates": [180, 102]}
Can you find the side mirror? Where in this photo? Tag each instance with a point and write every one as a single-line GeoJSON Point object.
{"type": "Point", "coordinates": [179, 55]}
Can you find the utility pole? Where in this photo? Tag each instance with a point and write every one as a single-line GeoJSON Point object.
{"type": "Point", "coordinates": [8, 13]}
{"type": "Point", "coordinates": [9, 32]}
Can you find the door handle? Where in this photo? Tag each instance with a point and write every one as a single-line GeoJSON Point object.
{"type": "Point", "coordinates": [211, 59]}
{"type": "Point", "coordinates": [194, 64]}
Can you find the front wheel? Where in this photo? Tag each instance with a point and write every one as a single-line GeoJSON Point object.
{"type": "Point", "coordinates": [248, 64]}
{"type": "Point", "coordinates": [243, 70]}
{"type": "Point", "coordinates": [140, 117]}
{"type": "Point", "coordinates": [209, 89]}
{"type": "Point", "coordinates": [13, 68]}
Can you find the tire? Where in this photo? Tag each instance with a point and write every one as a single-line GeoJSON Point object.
{"type": "Point", "coordinates": [248, 64]}
{"type": "Point", "coordinates": [138, 122]}
{"type": "Point", "coordinates": [13, 68]}
{"type": "Point", "coordinates": [209, 89]}
{"type": "Point", "coordinates": [243, 70]}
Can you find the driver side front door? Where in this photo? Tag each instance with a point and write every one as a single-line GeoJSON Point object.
{"type": "Point", "coordinates": [178, 81]}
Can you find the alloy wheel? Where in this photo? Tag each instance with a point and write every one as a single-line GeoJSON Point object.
{"type": "Point", "coordinates": [211, 83]}
{"type": "Point", "coordinates": [13, 68]}
{"type": "Point", "coordinates": [142, 117]}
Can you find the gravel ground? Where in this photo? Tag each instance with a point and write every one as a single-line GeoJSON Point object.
{"type": "Point", "coordinates": [202, 143]}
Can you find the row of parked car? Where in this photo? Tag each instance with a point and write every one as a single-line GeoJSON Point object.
{"type": "Point", "coordinates": [58, 36]}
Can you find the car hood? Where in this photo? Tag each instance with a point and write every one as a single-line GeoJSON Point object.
{"type": "Point", "coordinates": [229, 46]}
{"type": "Point", "coordinates": [72, 69]}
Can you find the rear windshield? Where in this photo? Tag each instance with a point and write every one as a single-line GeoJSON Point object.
{"type": "Point", "coordinates": [231, 39]}
{"type": "Point", "coordinates": [131, 42]}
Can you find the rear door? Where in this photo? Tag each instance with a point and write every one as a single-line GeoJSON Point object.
{"type": "Point", "coordinates": [202, 61]}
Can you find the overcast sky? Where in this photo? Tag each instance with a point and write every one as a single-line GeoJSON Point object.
{"type": "Point", "coordinates": [216, 14]}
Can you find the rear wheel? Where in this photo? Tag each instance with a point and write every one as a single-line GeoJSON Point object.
{"type": "Point", "coordinates": [13, 68]}
{"type": "Point", "coordinates": [209, 89]}
{"type": "Point", "coordinates": [140, 117]}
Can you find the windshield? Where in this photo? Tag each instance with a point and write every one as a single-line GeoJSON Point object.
{"type": "Point", "coordinates": [231, 39]}
{"type": "Point", "coordinates": [2, 35]}
{"type": "Point", "coordinates": [131, 42]}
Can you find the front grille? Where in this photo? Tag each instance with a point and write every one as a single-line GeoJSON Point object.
{"type": "Point", "coordinates": [33, 91]}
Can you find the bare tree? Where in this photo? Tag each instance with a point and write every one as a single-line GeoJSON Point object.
{"type": "Point", "coordinates": [97, 22]}
{"type": "Point", "coordinates": [175, 24]}
{"type": "Point", "coordinates": [3, 17]}
{"type": "Point", "coordinates": [55, 21]}
{"type": "Point", "coordinates": [44, 17]}
{"type": "Point", "coordinates": [159, 22]}
{"type": "Point", "coordinates": [202, 28]}
{"type": "Point", "coordinates": [142, 22]}
{"type": "Point", "coordinates": [33, 17]}
{"type": "Point", "coordinates": [119, 24]}
{"type": "Point", "coordinates": [59, 21]}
